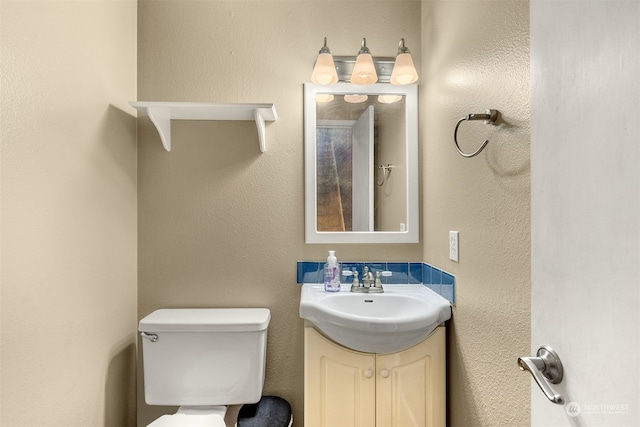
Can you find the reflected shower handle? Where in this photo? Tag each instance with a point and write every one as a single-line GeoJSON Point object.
{"type": "Point", "coordinates": [545, 368]}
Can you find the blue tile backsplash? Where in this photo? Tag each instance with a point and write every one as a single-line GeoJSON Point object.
{"type": "Point", "coordinates": [403, 273]}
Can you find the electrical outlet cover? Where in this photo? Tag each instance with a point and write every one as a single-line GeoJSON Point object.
{"type": "Point", "coordinates": [454, 246]}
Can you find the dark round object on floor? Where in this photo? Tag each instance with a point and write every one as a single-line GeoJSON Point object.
{"type": "Point", "coordinates": [270, 411]}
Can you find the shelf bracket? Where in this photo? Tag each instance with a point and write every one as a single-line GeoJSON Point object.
{"type": "Point", "coordinates": [162, 121]}
{"type": "Point", "coordinates": [257, 114]}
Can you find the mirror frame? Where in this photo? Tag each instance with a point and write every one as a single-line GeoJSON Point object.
{"type": "Point", "coordinates": [412, 232]}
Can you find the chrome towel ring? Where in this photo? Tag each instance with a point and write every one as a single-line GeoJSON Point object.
{"type": "Point", "coordinates": [490, 117]}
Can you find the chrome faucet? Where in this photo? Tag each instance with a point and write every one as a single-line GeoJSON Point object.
{"type": "Point", "coordinates": [368, 285]}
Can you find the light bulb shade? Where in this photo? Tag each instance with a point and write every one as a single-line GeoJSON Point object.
{"type": "Point", "coordinates": [389, 99]}
{"type": "Point", "coordinates": [404, 72]}
{"type": "Point", "coordinates": [364, 72]}
{"type": "Point", "coordinates": [324, 72]}
{"type": "Point", "coordinates": [324, 97]}
{"type": "Point", "coordinates": [356, 98]}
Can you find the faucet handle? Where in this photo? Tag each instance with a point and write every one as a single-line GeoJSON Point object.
{"type": "Point", "coordinates": [377, 286]}
{"type": "Point", "coordinates": [355, 285]}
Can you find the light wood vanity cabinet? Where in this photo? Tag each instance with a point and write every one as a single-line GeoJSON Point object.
{"type": "Point", "coordinates": [347, 388]}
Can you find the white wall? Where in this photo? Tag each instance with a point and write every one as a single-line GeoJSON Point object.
{"type": "Point", "coordinates": [585, 158]}
{"type": "Point", "coordinates": [68, 309]}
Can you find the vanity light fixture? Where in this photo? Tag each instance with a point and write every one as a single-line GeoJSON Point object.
{"type": "Point", "coordinates": [324, 72]}
{"type": "Point", "coordinates": [404, 72]}
{"type": "Point", "coordinates": [389, 99]}
{"type": "Point", "coordinates": [364, 69]}
{"type": "Point", "coordinates": [324, 97]}
{"type": "Point", "coordinates": [356, 98]}
{"type": "Point", "coordinates": [364, 72]}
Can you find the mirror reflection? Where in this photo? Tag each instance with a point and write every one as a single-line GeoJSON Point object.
{"type": "Point", "coordinates": [361, 163]}
{"type": "Point", "coordinates": [360, 151]}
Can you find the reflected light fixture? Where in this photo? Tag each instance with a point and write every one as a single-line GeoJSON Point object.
{"type": "Point", "coordinates": [389, 99]}
{"type": "Point", "coordinates": [324, 72]}
{"type": "Point", "coordinates": [404, 72]}
{"type": "Point", "coordinates": [364, 72]}
{"type": "Point", "coordinates": [355, 98]}
{"type": "Point", "coordinates": [324, 97]}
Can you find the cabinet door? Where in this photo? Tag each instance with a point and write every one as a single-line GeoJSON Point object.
{"type": "Point", "coordinates": [339, 384]}
{"type": "Point", "coordinates": [411, 385]}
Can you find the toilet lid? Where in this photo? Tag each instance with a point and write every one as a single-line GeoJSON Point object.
{"type": "Point", "coordinates": [183, 420]}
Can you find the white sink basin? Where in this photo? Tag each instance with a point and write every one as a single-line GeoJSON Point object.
{"type": "Point", "coordinates": [392, 321]}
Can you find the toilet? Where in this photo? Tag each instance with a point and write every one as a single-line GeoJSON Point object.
{"type": "Point", "coordinates": [202, 360]}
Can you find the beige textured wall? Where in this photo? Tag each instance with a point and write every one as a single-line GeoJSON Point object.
{"type": "Point", "coordinates": [475, 57]}
{"type": "Point", "coordinates": [219, 223]}
{"type": "Point", "coordinates": [391, 198]}
{"type": "Point", "coordinates": [68, 213]}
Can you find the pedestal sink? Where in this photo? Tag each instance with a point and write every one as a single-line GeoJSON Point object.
{"type": "Point", "coordinates": [392, 321]}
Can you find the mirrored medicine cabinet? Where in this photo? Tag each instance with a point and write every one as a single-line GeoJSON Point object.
{"type": "Point", "coordinates": [361, 163]}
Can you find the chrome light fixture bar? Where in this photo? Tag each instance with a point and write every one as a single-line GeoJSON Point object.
{"type": "Point", "coordinates": [345, 64]}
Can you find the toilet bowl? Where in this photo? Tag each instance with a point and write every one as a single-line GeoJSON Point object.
{"type": "Point", "coordinates": [180, 420]}
{"type": "Point", "coordinates": [212, 416]}
{"type": "Point", "coordinates": [202, 360]}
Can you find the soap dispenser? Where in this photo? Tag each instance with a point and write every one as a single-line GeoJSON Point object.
{"type": "Point", "coordinates": [332, 273]}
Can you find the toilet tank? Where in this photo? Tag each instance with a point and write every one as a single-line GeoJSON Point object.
{"type": "Point", "coordinates": [204, 356]}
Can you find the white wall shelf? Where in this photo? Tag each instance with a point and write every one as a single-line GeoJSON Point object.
{"type": "Point", "coordinates": [161, 114]}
